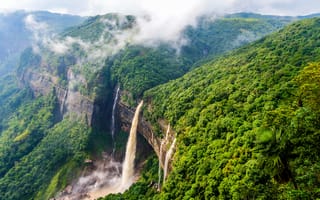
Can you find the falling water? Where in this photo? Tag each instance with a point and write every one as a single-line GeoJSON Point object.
{"type": "Point", "coordinates": [106, 178]}
{"type": "Point", "coordinates": [128, 164]}
{"type": "Point", "coordinates": [168, 156]}
{"type": "Point", "coordinates": [113, 121]}
{"type": "Point", "coordinates": [159, 169]}
{"type": "Point", "coordinates": [160, 156]}
{"type": "Point", "coordinates": [167, 133]}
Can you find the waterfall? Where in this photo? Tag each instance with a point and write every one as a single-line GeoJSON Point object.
{"type": "Point", "coordinates": [167, 133]}
{"type": "Point", "coordinates": [163, 141]}
{"type": "Point", "coordinates": [106, 179]}
{"type": "Point", "coordinates": [159, 169]}
{"type": "Point", "coordinates": [168, 157]}
{"type": "Point", "coordinates": [128, 164]}
{"type": "Point", "coordinates": [113, 120]}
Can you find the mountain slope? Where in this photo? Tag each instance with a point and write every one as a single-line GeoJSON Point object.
{"type": "Point", "coordinates": [215, 36]}
{"type": "Point", "coordinates": [247, 123]}
{"type": "Point", "coordinates": [137, 68]}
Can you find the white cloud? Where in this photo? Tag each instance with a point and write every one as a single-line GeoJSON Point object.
{"type": "Point", "coordinates": [43, 37]}
{"type": "Point", "coordinates": [95, 50]}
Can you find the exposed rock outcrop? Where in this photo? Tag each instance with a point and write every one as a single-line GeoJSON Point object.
{"type": "Point", "coordinates": [70, 101]}
{"type": "Point", "coordinates": [146, 130]}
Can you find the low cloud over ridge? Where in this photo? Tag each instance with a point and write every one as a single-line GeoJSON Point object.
{"type": "Point", "coordinates": [158, 20]}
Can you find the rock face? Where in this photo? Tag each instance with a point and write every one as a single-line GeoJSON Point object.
{"type": "Point", "coordinates": [70, 101]}
{"type": "Point", "coordinates": [73, 103]}
{"type": "Point", "coordinates": [145, 129]}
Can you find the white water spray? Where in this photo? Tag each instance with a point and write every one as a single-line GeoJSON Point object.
{"type": "Point", "coordinates": [106, 179]}
{"type": "Point", "coordinates": [128, 164]}
{"type": "Point", "coordinates": [159, 169]}
{"type": "Point", "coordinates": [167, 133]}
{"type": "Point", "coordinates": [163, 141]}
{"type": "Point", "coordinates": [113, 119]}
{"type": "Point", "coordinates": [102, 180]}
{"type": "Point", "coordinates": [168, 157]}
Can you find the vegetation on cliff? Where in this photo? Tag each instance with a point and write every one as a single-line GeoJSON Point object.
{"type": "Point", "coordinates": [248, 122]}
{"type": "Point", "coordinates": [33, 148]}
{"type": "Point", "coordinates": [138, 68]}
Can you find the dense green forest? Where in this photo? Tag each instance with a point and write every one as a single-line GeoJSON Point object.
{"type": "Point", "coordinates": [33, 148]}
{"type": "Point", "coordinates": [247, 121]}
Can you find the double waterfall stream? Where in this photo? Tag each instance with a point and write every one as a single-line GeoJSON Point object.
{"type": "Point", "coordinates": [107, 178]}
{"type": "Point", "coordinates": [168, 156]}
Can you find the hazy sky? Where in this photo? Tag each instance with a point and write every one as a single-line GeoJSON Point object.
{"type": "Point", "coordinates": [170, 8]}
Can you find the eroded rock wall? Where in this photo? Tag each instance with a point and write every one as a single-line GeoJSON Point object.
{"type": "Point", "coordinates": [70, 101]}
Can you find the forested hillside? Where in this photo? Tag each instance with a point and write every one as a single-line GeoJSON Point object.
{"type": "Point", "coordinates": [138, 68]}
{"type": "Point", "coordinates": [247, 123]}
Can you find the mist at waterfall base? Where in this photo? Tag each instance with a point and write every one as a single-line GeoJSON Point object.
{"type": "Point", "coordinates": [108, 176]}
{"type": "Point", "coordinates": [97, 183]}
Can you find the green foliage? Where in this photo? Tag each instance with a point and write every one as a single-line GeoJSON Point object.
{"type": "Point", "coordinates": [211, 38]}
{"type": "Point", "coordinates": [11, 97]}
{"type": "Point", "coordinates": [24, 130]}
{"type": "Point", "coordinates": [138, 68]}
{"type": "Point", "coordinates": [94, 28]}
{"type": "Point", "coordinates": [309, 89]}
{"type": "Point", "coordinates": [65, 142]}
{"type": "Point", "coordinates": [60, 180]}
{"type": "Point", "coordinates": [27, 59]}
{"type": "Point", "coordinates": [31, 149]}
{"type": "Point", "coordinates": [247, 122]}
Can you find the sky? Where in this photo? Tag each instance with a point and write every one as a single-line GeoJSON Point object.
{"type": "Point", "coordinates": [172, 8]}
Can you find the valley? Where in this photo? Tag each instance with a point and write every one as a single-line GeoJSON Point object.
{"type": "Point", "coordinates": [93, 111]}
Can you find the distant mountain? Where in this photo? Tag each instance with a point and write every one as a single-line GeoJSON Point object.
{"type": "Point", "coordinates": [309, 16]}
{"type": "Point", "coordinates": [15, 36]}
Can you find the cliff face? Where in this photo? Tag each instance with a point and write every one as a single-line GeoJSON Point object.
{"type": "Point", "coordinates": [70, 101]}
{"type": "Point", "coordinates": [146, 130]}
{"type": "Point", "coordinates": [73, 103]}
